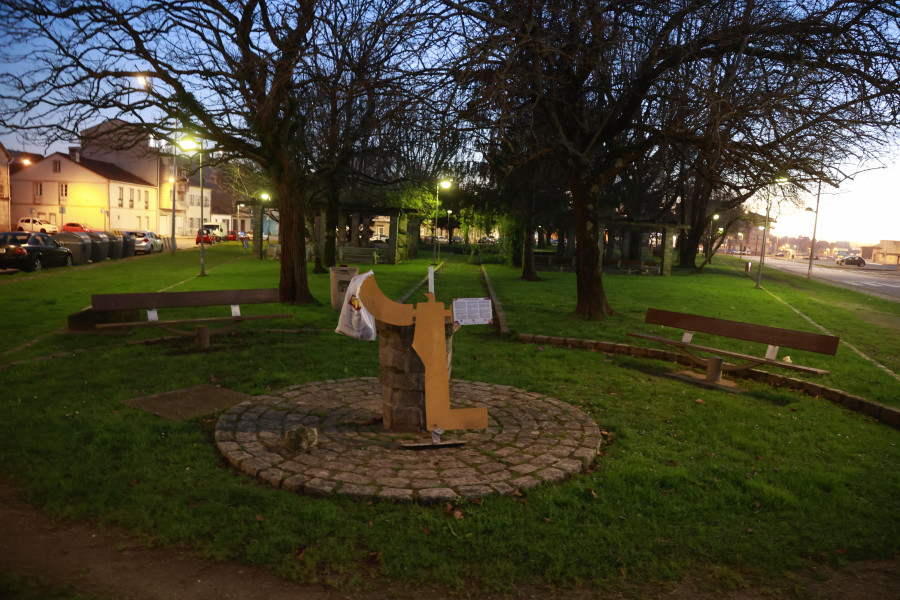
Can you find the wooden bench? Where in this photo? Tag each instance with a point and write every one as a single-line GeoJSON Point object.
{"type": "Point", "coordinates": [773, 337]}
{"type": "Point", "coordinates": [357, 255]}
{"type": "Point", "coordinates": [629, 264]}
{"type": "Point", "coordinates": [121, 311]}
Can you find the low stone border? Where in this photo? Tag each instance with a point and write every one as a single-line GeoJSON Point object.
{"type": "Point", "coordinates": [531, 440]}
{"type": "Point", "coordinates": [888, 415]}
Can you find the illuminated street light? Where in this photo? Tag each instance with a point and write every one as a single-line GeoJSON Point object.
{"type": "Point", "coordinates": [437, 193]}
{"type": "Point", "coordinates": [189, 144]}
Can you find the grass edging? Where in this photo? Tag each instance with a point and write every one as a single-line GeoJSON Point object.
{"type": "Point", "coordinates": [880, 412]}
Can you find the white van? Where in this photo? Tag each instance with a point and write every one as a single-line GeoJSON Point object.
{"type": "Point", "coordinates": [216, 229]}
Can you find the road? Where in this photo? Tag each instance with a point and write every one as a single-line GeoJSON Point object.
{"type": "Point", "coordinates": [868, 280]}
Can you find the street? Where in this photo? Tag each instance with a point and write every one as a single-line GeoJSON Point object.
{"type": "Point", "coordinates": [868, 280]}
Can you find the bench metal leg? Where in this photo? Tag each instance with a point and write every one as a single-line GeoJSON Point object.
{"type": "Point", "coordinates": [714, 369]}
{"type": "Point", "coordinates": [203, 337]}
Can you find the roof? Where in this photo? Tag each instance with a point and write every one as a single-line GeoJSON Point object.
{"type": "Point", "coordinates": [108, 170]}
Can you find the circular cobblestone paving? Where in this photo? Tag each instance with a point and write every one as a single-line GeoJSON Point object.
{"type": "Point", "coordinates": [531, 439]}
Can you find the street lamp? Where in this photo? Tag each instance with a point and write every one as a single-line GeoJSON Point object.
{"type": "Point", "coordinates": [449, 237]}
{"type": "Point", "coordinates": [446, 183]}
{"type": "Point", "coordinates": [189, 144]}
{"type": "Point", "coordinates": [174, 180]}
{"type": "Point", "coordinates": [812, 249]}
{"type": "Point", "coordinates": [762, 254]}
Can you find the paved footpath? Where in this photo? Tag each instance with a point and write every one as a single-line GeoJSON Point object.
{"type": "Point", "coordinates": [531, 439]}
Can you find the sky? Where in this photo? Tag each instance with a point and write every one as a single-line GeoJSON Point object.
{"type": "Point", "coordinates": [863, 211]}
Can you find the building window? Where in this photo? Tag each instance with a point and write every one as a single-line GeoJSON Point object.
{"type": "Point", "coordinates": [121, 197]}
{"type": "Point", "coordinates": [38, 190]}
{"type": "Point", "coordinates": [146, 200]}
{"type": "Point", "coordinates": [63, 190]}
{"type": "Point", "coordinates": [57, 166]}
{"type": "Point", "coordinates": [131, 198]}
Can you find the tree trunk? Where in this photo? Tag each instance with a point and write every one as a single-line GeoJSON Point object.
{"type": "Point", "coordinates": [293, 286]}
{"type": "Point", "coordinates": [329, 255]}
{"type": "Point", "coordinates": [592, 301]}
{"type": "Point", "coordinates": [529, 273]}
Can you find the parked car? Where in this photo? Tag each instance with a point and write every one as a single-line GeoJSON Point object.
{"type": "Point", "coordinates": [235, 236]}
{"type": "Point", "coordinates": [859, 261]}
{"type": "Point", "coordinates": [208, 237]}
{"type": "Point", "coordinates": [29, 224]}
{"type": "Point", "coordinates": [146, 242]}
{"type": "Point", "coordinates": [77, 227]}
{"type": "Point", "coordinates": [32, 251]}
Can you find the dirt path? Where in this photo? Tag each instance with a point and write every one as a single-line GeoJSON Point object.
{"type": "Point", "coordinates": [109, 562]}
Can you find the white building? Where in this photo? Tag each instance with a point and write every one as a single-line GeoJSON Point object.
{"type": "Point", "coordinates": [62, 189]}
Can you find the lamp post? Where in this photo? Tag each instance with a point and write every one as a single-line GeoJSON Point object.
{"type": "Point", "coordinates": [189, 144]}
{"type": "Point", "coordinates": [812, 248]}
{"type": "Point", "coordinates": [449, 237]}
{"type": "Point", "coordinates": [174, 180]}
{"type": "Point", "coordinates": [709, 250]}
{"type": "Point", "coordinates": [762, 254]}
{"type": "Point", "coordinates": [437, 194]}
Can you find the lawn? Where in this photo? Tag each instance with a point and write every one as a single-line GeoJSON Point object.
{"type": "Point", "coordinates": [736, 487]}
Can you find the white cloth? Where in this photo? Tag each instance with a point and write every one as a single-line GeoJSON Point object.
{"type": "Point", "coordinates": [355, 321]}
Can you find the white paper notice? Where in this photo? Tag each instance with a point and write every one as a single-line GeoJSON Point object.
{"type": "Point", "coordinates": [472, 311]}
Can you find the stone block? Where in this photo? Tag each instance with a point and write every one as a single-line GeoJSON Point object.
{"type": "Point", "coordinates": [435, 495]}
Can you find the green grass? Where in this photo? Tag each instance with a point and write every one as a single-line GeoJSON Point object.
{"type": "Point", "coordinates": [691, 481]}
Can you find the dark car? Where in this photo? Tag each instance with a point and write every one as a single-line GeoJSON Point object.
{"type": "Point", "coordinates": [32, 251]}
{"type": "Point", "coordinates": [859, 261]}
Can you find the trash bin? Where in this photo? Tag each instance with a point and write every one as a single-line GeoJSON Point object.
{"type": "Point", "coordinates": [115, 245]}
{"type": "Point", "coordinates": [99, 246]}
{"type": "Point", "coordinates": [127, 243]}
{"type": "Point", "coordinates": [340, 279]}
{"type": "Point", "coordinates": [78, 242]}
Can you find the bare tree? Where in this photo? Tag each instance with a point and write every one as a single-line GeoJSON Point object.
{"type": "Point", "coordinates": [787, 79]}
{"type": "Point", "coordinates": [293, 86]}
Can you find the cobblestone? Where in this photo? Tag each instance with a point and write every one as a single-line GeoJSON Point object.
{"type": "Point", "coordinates": [357, 458]}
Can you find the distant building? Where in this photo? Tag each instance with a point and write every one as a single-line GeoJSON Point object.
{"type": "Point", "coordinates": [5, 160]}
{"type": "Point", "coordinates": [887, 252]}
{"type": "Point", "coordinates": [69, 188]}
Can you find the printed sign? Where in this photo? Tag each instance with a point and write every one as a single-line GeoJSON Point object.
{"type": "Point", "coordinates": [472, 311]}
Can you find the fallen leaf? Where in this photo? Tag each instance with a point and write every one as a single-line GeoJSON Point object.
{"type": "Point", "coordinates": [457, 514]}
{"type": "Point", "coordinates": [699, 401]}
{"type": "Point", "coordinates": [547, 519]}
{"type": "Point", "coordinates": [426, 531]}
{"type": "Point", "coordinates": [259, 518]}
{"type": "Point", "coordinates": [593, 493]}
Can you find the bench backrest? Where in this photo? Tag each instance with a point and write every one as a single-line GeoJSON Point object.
{"type": "Point", "coordinates": [774, 336]}
{"type": "Point", "coordinates": [154, 300]}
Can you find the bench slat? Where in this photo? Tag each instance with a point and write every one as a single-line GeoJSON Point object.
{"type": "Point", "coordinates": [188, 321]}
{"type": "Point", "coordinates": [775, 336]}
{"type": "Point", "coordinates": [158, 300]}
